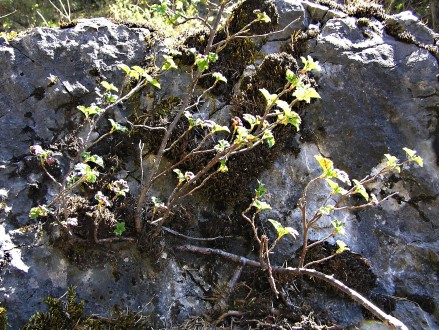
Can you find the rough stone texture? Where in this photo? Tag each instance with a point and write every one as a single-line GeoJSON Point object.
{"type": "Point", "coordinates": [378, 95]}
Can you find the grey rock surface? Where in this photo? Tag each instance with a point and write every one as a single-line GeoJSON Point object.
{"type": "Point", "coordinates": [378, 95]}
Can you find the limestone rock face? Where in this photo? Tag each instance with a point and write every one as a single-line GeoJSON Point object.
{"type": "Point", "coordinates": [378, 95]}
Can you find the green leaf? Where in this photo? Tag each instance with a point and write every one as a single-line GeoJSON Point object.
{"type": "Point", "coordinates": [341, 247]}
{"type": "Point", "coordinates": [180, 175]}
{"type": "Point", "coordinates": [219, 128]}
{"type": "Point", "coordinates": [262, 16]}
{"type": "Point", "coordinates": [119, 187]}
{"type": "Point", "coordinates": [212, 57]}
{"type": "Point", "coordinates": [261, 206]}
{"type": "Point", "coordinates": [359, 189]}
{"type": "Point", "coordinates": [327, 166]}
{"type": "Point", "coordinates": [139, 70]}
{"type": "Point", "coordinates": [157, 202]}
{"type": "Point", "coordinates": [292, 78]}
{"type": "Point", "coordinates": [252, 120]}
{"type": "Point", "coordinates": [283, 105]}
{"type": "Point", "coordinates": [39, 211]}
{"type": "Point", "coordinates": [309, 64]}
{"type": "Point", "coordinates": [339, 227]}
{"type": "Point", "coordinates": [290, 117]}
{"type": "Point", "coordinates": [282, 231]}
{"type": "Point", "coordinates": [219, 77]}
{"type": "Point", "coordinates": [223, 167]}
{"type": "Point", "coordinates": [202, 62]}
{"type": "Point", "coordinates": [169, 63]}
{"type": "Point", "coordinates": [115, 126]}
{"type": "Point", "coordinates": [151, 80]}
{"type": "Point", "coordinates": [93, 158]}
{"type": "Point", "coordinates": [392, 163]}
{"type": "Point", "coordinates": [89, 111]}
{"type": "Point", "coordinates": [125, 68]}
{"type": "Point", "coordinates": [336, 189]}
{"type": "Point", "coordinates": [269, 138]}
{"type": "Point", "coordinates": [411, 156]}
{"type": "Point", "coordinates": [325, 210]}
{"type": "Point", "coordinates": [109, 87]}
{"type": "Point", "coordinates": [222, 145]}
{"type": "Point", "coordinates": [270, 98]}
{"type": "Point", "coordinates": [305, 93]}
{"type": "Point", "coordinates": [260, 192]}
{"type": "Point", "coordinates": [119, 229]}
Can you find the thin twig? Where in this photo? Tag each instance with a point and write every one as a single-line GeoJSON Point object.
{"type": "Point", "coordinates": [176, 233]}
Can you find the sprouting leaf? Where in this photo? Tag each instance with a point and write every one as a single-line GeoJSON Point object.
{"type": "Point", "coordinates": [88, 157]}
{"type": "Point", "coordinates": [88, 111]}
{"type": "Point", "coordinates": [269, 138]}
{"type": "Point", "coordinates": [223, 167]}
{"type": "Point", "coordinates": [262, 16]}
{"type": "Point", "coordinates": [119, 229]}
{"type": "Point", "coordinates": [180, 175]}
{"type": "Point", "coordinates": [339, 227]}
{"type": "Point", "coordinates": [292, 78]}
{"type": "Point", "coordinates": [392, 163]}
{"type": "Point", "coordinates": [219, 77]}
{"type": "Point", "coordinates": [260, 192]}
{"type": "Point", "coordinates": [124, 67]}
{"type": "Point", "coordinates": [138, 69]}
{"type": "Point", "coordinates": [305, 93]}
{"type": "Point", "coordinates": [212, 57]}
{"type": "Point", "coordinates": [91, 175]}
{"type": "Point", "coordinates": [325, 210]}
{"type": "Point", "coordinates": [151, 80]}
{"type": "Point", "coordinates": [252, 120]}
{"type": "Point", "coordinates": [336, 189]}
{"type": "Point", "coordinates": [341, 247]}
{"type": "Point", "coordinates": [359, 189]}
{"type": "Point", "coordinates": [289, 117]}
{"type": "Point", "coordinates": [39, 211]}
{"type": "Point", "coordinates": [169, 63]}
{"type": "Point", "coordinates": [282, 231]}
{"type": "Point", "coordinates": [115, 126]}
{"type": "Point", "coordinates": [283, 105]}
{"type": "Point", "coordinates": [327, 166]}
{"type": "Point", "coordinates": [109, 87]}
{"type": "Point", "coordinates": [261, 206]}
{"type": "Point", "coordinates": [411, 156]}
{"type": "Point", "coordinates": [219, 128]}
{"type": "Point", "coordinates": [270, 98]}
{"type": "Point", "coordinates": [202, 62]}
{"type": "Point", "coordinates": [157, 202]}
{"type": "Point", "coordinates": [222, 145]}
{"type": "Point", "coordinates": [309, 64]}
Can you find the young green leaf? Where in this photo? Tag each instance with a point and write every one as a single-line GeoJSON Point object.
{"type": "Point", "coordinates": [169, 63]}
{"type": "Point", "coordinates": [221, 146]}
{"type": "Point", "coordinates": [309, 64]}
{"type": "Point", "coordinates": [212, 57]}
{"type": "Point", "coordinates": [115, 126]}
{"type": "Point", "coordinates": [219, 77]}
{"type": "Point", "coordinates": [411, 156]}
{"type": "Point", "coordinates": [125, 68]}
{"type": "Point", "coordinates": [88, 157]}
{"type": "Point", "coordinates": [260, 192]}
{"type": "Point", "coordinates": [180, 176]}
{"type": "Point", "coordinates": [89, 111]}
{"type": "Point", "coordinates": [292, 78]}
{"type": "Point", "coordinates": [269, 138]}
{"type": "Point", "coordinates": [283, 105]}
{"type": "Point", "coordinates": [359, 189]}
{"type": "Point", "coordinates": [392, 163]}
{"type": "Point", "coordinates": [39, 211]}
{"type": "Point", "coordinates": [262, 16]}
{"type": "Point", "coordinates": [325, 210]}
{"type": "Point", "coordinates": [252, 120]}
{"type": "Point", "coordinates": [289, 117]}
{"type": "Point", "coordinates": [102, 199]}
{"type": "Point", "coordinates": [336, 189]}
{"type": "Point", "coordinates": [219, 128]}
{"type": "Point", "coordinates": [305, 93]}
{"type": "Point", "coordinates": [119, 229]}
{"type": "Point", "coordinates": [270, 98]}
{"type": "Point", "coordinates": [223, 167]}
{"type": "Point", "coordinates": [282, 231]}
{"type": "Point", "coordinates": [202, 62]}
{"type": "Point", "coordinates": [341, 247]}
{"type": "Point", "coordinates": [109, 87]}
{"type": "Point", "coordinates": [261, 206]}
{"type": "Point", "coordinates": [327, 166]}
{"type": "Point", "coordinates": [119, 187]}
{"type": "Point", "coordinates": [339, 227]}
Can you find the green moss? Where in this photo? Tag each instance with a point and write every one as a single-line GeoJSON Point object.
{"type": "Point", "coordinates": [3, 318]}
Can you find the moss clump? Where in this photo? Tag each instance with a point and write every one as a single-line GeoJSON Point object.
{"type": "Point", "coordinates": [69, 314]}
{"type": "Point", "coordinates": [3, 318]}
